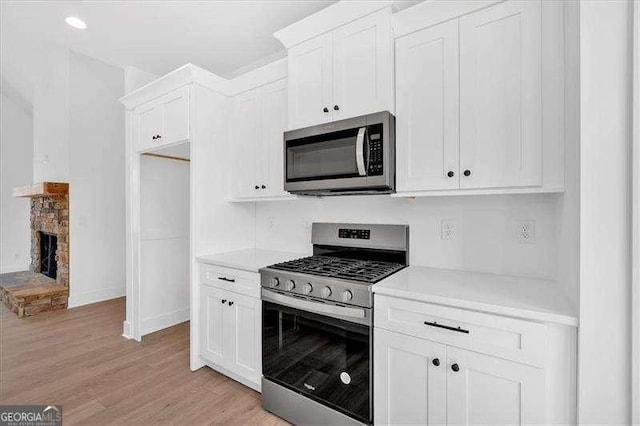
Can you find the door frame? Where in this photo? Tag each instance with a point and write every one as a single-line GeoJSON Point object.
{"type": "Point", "coordinates": [635, 252]}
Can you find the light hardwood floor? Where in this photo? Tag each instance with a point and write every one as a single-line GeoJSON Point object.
{"type": "Point", "coordinates": [78, 358]}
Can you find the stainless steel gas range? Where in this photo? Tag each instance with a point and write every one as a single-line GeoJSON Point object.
{"type": "Point", "coordinates": [317, 323]}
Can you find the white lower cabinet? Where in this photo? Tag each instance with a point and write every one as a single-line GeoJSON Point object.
{"type": "Point", "coordinates": [422, 382]}
{"type": "Point", "coordinates": [490, 390]}
{"type": "Point", "coordinates": [231, 333]}
{"type": "Point", "coordinates": [451, 371]}
{"type": "Point", "coordinates": [409, 379]}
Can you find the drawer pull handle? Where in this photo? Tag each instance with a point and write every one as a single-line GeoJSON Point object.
{"type": "Point", "coordinates": [446, 327]}
{"type": "Point", "coordinates": [230, 280]}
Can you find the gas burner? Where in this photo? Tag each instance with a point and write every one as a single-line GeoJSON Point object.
{"type": "Point", "coordinates": [366, 271]}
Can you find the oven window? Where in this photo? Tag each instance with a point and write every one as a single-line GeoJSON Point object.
{"type": "Point", "coordinates": [333, 156]}
{"type": "Point", "coordinates": [321, 357]}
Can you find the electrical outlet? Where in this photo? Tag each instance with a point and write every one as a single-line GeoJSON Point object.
{"type": "Point", "coordinates": [448, 229]}
{"type": "Point", "coordinates": [527, 231]}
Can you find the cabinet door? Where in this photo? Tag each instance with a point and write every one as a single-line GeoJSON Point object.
{"type": "Point", "coordinates": [362, 67]}
{"type": "Point", "coordinates": [247, 337]}
{"type": "Point", "coordinates": [409, 388]}
{"type": "Point", "coordinates": [489, 390]}
{"type": "Point", "coordinates": [270, 152]}
{"type": "Point", "coordinates": [149, 125]}
{"type": "Point", "coordinates": [310, 82]}
{"type": "Point", "coordinates": [216, 325]}
{"type": "Point", "coordinates": [245, 140]}
{"type": "Point", "coordinates": [427, 137]}
{"type": "Point", "coordinates": [500, 96]}
{"type": "Point", "coordinates": [175, 106]}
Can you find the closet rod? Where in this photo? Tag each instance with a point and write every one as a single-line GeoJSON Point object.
{"type": "Point", "coordinates": [169, 157]}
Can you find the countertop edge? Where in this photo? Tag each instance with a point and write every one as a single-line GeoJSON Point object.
{"type": "Point", "coordinates": [526, 314]}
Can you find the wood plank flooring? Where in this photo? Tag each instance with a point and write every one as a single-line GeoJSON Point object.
{"type": "Point", "coordinates": [78, 358]}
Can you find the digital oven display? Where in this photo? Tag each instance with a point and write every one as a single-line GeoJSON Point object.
{"type": "Point", "coordinates": [358, 234]}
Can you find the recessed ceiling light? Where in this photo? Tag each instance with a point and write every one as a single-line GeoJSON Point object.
{"type": "Point", "coordinates": [76, 22]}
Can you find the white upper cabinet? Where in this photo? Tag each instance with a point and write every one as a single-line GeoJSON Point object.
{"type": "Point", "coordinates": [491, 391]}
{"type": "Point", "coordinates": [427, 109]}
{"type": "Point", "coordinates": [469, 94]}
{"type": "Point", "coordinates": [164, 120]}
{"type": "Point", "coordinates": [257, 126]}
{"type": "Point", "coordinates": [362, 55]}
{"type": "Point", "coordinates": [500, 96]}
{"type": "Point", "coordinates": [244, 139]}
{"type": "Point", "coordinates": [340, 63]}
{"type": "Point", "coordinates": [310, 82]}
{"type": "Point", "coordinates": [273, 104]}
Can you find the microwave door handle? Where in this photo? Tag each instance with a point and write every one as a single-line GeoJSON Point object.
{"type": "Point", "coordinates": [362, 171]}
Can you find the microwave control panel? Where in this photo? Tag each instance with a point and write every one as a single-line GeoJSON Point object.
{"type": "Point", "coordinates": [376, 151]}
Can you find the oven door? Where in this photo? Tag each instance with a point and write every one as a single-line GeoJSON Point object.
{"type": "Point", "coordinates": [319, 355]}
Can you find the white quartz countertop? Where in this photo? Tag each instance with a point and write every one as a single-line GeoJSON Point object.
{"type": "Point", "coordinates": [528, 298]}
{"type": "Point", "coordinates": [251, 259]}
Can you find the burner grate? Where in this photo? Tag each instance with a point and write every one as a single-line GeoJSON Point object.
{"type": "Point", "coordinates": [335, 267]}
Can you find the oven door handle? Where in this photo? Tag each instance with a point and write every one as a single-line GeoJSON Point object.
{"type": "Point", "coordinates": [362, 171]}
{"type": "Point", "coordinates": [317, 307]}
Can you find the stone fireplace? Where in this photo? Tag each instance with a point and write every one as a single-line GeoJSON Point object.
{"type": "Point", "coordinates": [45, 286]}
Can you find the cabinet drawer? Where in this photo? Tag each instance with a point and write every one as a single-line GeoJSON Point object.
{"type": "Point", "coordinates": [242, 282]}
{"type": "Point", "coordinates": [508, 338]}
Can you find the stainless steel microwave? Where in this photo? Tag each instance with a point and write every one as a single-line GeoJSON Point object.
{"type": "Point", "coordinates": [352, 156]}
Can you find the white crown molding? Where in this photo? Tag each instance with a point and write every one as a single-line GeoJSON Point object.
{"type": "Point", "coordinates": [267, 74]}
{"type": "Point", "coordinates": [432, 12]}
{"type": "Point", "coordinates": [186, 74]}
{"type": "Point", "coordinates": [328, 19]}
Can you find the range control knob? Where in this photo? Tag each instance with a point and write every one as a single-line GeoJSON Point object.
{"type": "Point", "coordinates": [274, 282]}
{"type": "Point", "coordinates": [325, 292]}
{"type": "Point", "coordinates": [290, 285]}
{"type": "Point", "coordinates": [346, 296]}
{"type": "Point", "coordinates": [307, 288]}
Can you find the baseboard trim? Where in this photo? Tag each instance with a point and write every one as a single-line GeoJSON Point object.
{"type": "Point", "coordinates": [76, 300]}
{"type": "Point", "coordinates": [126, 330]}
{"type": "Point", "coordinates": [13, 268]}
{"type": "Point", "coordinates": [160, 322]}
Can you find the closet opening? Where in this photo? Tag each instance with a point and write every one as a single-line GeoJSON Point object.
{"type": "Point", "coordinates": [164, 237]}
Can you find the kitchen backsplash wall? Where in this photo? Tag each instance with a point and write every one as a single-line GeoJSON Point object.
{"type": "Point", "coordinates": [486, 235]}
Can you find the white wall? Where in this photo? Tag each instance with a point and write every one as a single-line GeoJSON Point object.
{"type": "Point", "coordinates": [16, 151]}
{"type": "Point", "coordinates": [96, 180]}
{"type": "Point", "coordinates": [604, 335]}
{"type": "Point", "coordinates": [51, 115]}
{"type": "Point", "coordinates": [164, 243]}
{"type": "Point", "coordinates": [135, 78]}
{"type": "Point", "coordinates": [486, 237]}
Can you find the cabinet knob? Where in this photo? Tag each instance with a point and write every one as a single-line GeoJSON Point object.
{"type": "Point", "coordinates": [158, 137]}
{"type": "Point", "coordinates": [263, 187]}
{"type": "Point", "coordinates": [325, 109]}
{"type": "Point", "coordinates": [436, 362]}
{"type": "Point", "coordinates": [451, 174]}
{"type": "Point", "coordinates": [224, 301]}
{"type": "Point", "coordinates": [336, 107]}
{"type": "Point", "coordinates": [153, 137]}
{"type": "Point", "coordinates": [257, 187]}
{"type": "Point", "coordinates": [455, 367]}
{"type": "Point", "coordinates": [230, 303]}
{"type": "Point", "coordinates": [467, 172]}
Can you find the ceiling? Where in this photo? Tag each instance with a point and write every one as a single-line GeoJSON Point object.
{"type": "Point", "coordinates": [225, 37]}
